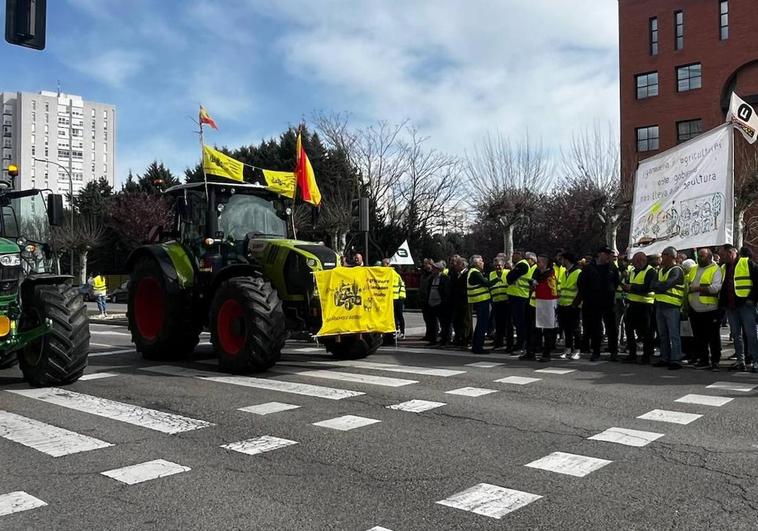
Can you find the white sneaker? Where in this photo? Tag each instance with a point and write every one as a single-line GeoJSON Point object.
{"type": "Point", "coordinates": [575, 356]}
{"type": "Point", "coordinates": [566, 355]}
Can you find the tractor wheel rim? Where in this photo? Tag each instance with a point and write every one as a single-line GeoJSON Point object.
{"type": "Point", "coordinates": [231, 327]}
{"type": "Point", "coordinates": [149, 308]}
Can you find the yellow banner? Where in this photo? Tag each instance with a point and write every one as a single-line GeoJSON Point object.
{"type": "Point", "coordinates": [280, 182]}
{"type": "Point", "coordinates": [355, 300]}
{"type": "Point", "coordinates": [221, 165]}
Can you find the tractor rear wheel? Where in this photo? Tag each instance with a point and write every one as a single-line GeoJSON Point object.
{"type": "Point", "coordinates": [162, 324]}
{"type": "Point", "coordinates": [353, 346]}
{"type": "Point", "coordinates": [247, 325]}
{"type": "Point", "coordinates": [60, 356]}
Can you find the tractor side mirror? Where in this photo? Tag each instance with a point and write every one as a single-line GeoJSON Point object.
{"type": "Point", "coordinates": [55, 209]}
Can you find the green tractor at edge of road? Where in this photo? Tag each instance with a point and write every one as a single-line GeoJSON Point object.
{"type": "Point", "coordinates": [229, 265]}
{"type": "Point", "coordinates": [43, 321]}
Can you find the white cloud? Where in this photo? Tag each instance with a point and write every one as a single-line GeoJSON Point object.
{"type": "Point", "coordinates": [113, 67]}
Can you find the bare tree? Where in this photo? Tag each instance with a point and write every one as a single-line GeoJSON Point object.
{"type": "Point", "coordinates": [592, 163]}
{"type": "Point", "coordinates": [745, 191]}
{"type": "Point", "coordinates": [89, 233]}
{"type": "Point", "coordinates": [506, 179]}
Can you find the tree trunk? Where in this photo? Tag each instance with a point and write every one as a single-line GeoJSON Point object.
{"type": "Point", "coordinates": [611, 233]}
{"type": "Point", "coordinates": [739, 228]}
{"type": "Point", "coordinates": [83, 266]}
{"type": "Point", "coordinates": [508, 241]}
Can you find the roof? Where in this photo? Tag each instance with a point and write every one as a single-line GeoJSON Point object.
{"type": "Point", "coordinates": [190, 186]}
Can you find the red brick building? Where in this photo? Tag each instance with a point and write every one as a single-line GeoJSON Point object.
{"type": "Point", "coordinates": [679, 62]}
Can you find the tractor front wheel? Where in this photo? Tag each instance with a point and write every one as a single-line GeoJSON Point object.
{"type": "Point", "coordinates": [60, 356]}
{"type": "Point", "coordinates": [162, 324]}
{"type": "Point", "coordinates": [247, 325]}
{"type": "Point", "coordinates": [353, 346]}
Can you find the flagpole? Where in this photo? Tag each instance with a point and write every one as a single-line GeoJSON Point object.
{"type": "Point", "coordinates": [202, 157]}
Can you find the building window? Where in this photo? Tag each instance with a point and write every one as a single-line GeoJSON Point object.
{"type": "Point", "coordinates": [647, 138]}
{"type": "Point", "coordinates": [688, 129]}
{"type": "Point", "coordinates": [34, 150]}
{"type": "Point", "coordinates": [654, 36]}
{"type": "Point", "coordinates": [47, 107]}
{"type": "Point", "coordinates": [647, 85]}
{"type": "Point", "coordinates": [34, 116]}
{"type": "Point", "coordinates": [724, 20]}
{"type": "Point", "coordinates": [47, 152]}
{"type": "Point", "coordinates": [34, 105]}
{"type": "Point", "coordinates": [678, 30]}
{"type": "Point", "coordinates": [689, 77]}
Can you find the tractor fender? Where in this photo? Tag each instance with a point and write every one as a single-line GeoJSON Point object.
{"type": "Point", "coordinates": [173, 261]}
{"type": "Point", "coordinates": [235, 270]}
{"type": "Point", "coordinates": [27, 285]}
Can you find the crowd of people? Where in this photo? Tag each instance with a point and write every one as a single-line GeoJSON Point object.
{"type": "Point", "coordinates": [668, 300]}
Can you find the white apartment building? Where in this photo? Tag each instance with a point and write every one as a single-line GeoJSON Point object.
{"type": "Point", "coordinates": [77, 137]}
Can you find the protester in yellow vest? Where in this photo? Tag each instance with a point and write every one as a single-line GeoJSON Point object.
{"type": "Point", "coordinates": [704, 284]}
{"type": "Point", "coordinates": [499, 294]}
{"type": "Point", "coordinates": [398, 298]}
{"type": "Point", "coordinates": [738, 297]}
{"type": "Point", "coordinates": [669, 296]}
{"type": "Point", "coordinates": [519, 285]}
{"type": "Point", "coordinates": [100, 290]}
{"type": "Point", "coordinates": [568, 310]}
{"type": "Point", "coordinates": [478, 293]}
{"type": "Point", "coordinates": [639, 313]}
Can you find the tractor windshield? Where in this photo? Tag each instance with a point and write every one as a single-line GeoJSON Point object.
{"type": "Point", "coordinates": [244, 214]}
{"type": "Point", "coordinates": [26, 217]}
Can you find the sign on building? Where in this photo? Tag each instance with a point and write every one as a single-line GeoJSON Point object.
{"type": "Point", "coordinates": [684, 197]}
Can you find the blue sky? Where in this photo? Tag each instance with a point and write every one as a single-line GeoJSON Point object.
{"type": "Point", "coordinates": [457, 69]}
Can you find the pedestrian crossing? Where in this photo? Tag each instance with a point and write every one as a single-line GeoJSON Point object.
{"type": "Point", "coordinates": [483, 499]}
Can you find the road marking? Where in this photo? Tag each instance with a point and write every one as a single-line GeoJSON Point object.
{"type": "Point", "coordinates": [45, 438]}
{"type": "Point", "coordinates": [732, 386]}
{"type": "Point", "coordinates": [98, 375]}
{"type": "Point", "coordinates": [366, 379]}
{"type": "Point", "coordinates": [675, 417]}
{"type": "Point", "coordinates": [390, 367]}
{"type": "Point", "coordinates": [704, 400]}
{"type": "Point", "coordinates": [106, 345]}
{"type": "Point", "coordinates": [569, 464]}
{"type": "Point", "coordinates": [489, 500]}
{"type": "Point", "coordinates": [518, 380]}
{"type": "Point", "coordinates": [379, 528]}
{"type": "Point", "coordinates": [309, 349]}
{"type": "Point", "coordinates": [158, 468]}
{"type": "Point", "coordinates": [110, 352]}
{"type": "Point", "coordinates": [416, 406]}
{"type": "Point", "coordinates": [471, 391]}
{"type": "Point", "coordinates": [627, 437]}
{"type": "Point", "coordinates": [259, 383]}
{"type": "Point", "coordinates": [109, 333]}
{"type": "Point", "coordinates": [15, 502]}
{"type": "Point", "coordinates": [440, 352]}
{"type": "Point", "coordinates": [484, 365]}
{"type": "Point", "coordinates": [555, 371]}
{"type": "Point", "coordinates": [102, 407]}
{"type": "Point", "coordinates": [258, 445]}
{"type": "Point", "coordinates": [346, 422]}
{"type": "Point", "coordinates": [268, 408]}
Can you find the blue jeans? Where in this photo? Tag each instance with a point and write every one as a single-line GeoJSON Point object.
{"type": "Point", "coordinates": [482, 312]}
{"type": "Point", "coordinates": [742, 320]}
{"type": "Point", "coordinates": [100, 299]}
{"type": "Point", "coordinates": [668, 319]}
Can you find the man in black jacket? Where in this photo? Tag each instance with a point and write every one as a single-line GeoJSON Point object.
{"type": "Point", "coordinates": [437, 302]}
{"type": "Point", "coordinates": [597, 292]}
{"type": "Point", "coordinates": [739, 293]}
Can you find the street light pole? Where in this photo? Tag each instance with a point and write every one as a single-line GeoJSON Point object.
{"type": "Point", "coordinates": [71, 199]}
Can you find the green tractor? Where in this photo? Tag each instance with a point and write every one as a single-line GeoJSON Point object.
{"type": "Point", "coordinates": [229, 265]}
{"type": "Point", "coordinates": [43, 320]}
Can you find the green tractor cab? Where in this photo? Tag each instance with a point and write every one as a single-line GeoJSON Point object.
{"type": "Point", "coordinates": [229, 265]}
{"type": "Point", "coordinates": [43, 320]}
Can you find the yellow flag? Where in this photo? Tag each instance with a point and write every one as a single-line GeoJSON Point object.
{"type": "Point", "coordinates": [221, 165]}
{"type": "Point", "coordinates": [355, 300]}
{"type": "Point", "coordinates": [280, 182]}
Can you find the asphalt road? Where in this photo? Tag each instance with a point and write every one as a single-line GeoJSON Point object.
{"type": "Point", "coordinates": [394, 468]}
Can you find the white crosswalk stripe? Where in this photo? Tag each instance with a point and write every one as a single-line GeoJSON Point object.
{"type": "Point", "coordinates": [704, 400]}
{"type": "Point", "coordinates": [732, 386]}
{"type": "Point", "coordinates": [15, 502]}
{"type": "Point", "coordinates": [484, 365]}
{"type": "Point", "coordinates": [295, 388]}
{"type": "Point", "coordinates": [471, 391]}
{"type": "Point", "coordinates": [416, 406]}
{"type": "Point", "coordinates": [518, 380]}
{"type": "Point", "coordinates": [258, 445]}
{"type": "Point", "coordinates": [367, 379]}
{"type": "Point", "coordinates": [489, 500]}
{"type": "Point", "coordinates": [674, 417]}
{"type": "Point", "coordinates": [129, 413]}
{"type": "Point", "coordinates": [409, 369]}
{"type": "Point", "coordinates": [346, 423]}
{"type": "Point", "coordinates": [45, 438]}
{"type": "Point", "coordinates": [569, 464]}
{"type": "Point", "coordinates": [98, 375]}
{"type": "Point", "coordinates": [555, 371]}
{"type": "Point", "coordinates": [158, 468]}
{"type": "Point", "coordinates": [268, 408]}
{"type": "Point", "coordinates": [627, 437]}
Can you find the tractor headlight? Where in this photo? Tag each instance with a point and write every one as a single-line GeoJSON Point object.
{"type": "Point", "coordinates": [311, 262]}
{"type": "Point", "coordinates": [10, 260]}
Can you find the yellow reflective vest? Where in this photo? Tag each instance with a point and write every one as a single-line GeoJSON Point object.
{"type": "Point", "coordinates": [520, 288]}
{"type": "Point", "coordinates": [499, 289]}
{"type": "Point", "coordinates": [98, 285]}
{"type": "Point", "coordinates": [638, 278]}
{"type": "Point", "coordinates": [675, 294]}
{"type": "Point", "coordinates": [567, 286]}
{"type": "Point", "coordinates": [398, 291]}
{"type": "Point", "coordinates": [743, 284]}
{"type": "Point", "coordinates": [476, 293]}
{"type": "Point", "coordinates": [705, 280]}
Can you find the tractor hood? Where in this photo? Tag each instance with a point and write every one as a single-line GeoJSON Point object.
{"type": "Point", "coordinates": [8, 246]}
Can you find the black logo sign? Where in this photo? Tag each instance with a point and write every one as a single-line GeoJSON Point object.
{"type": "Point", "coordinates": [348, 296]}
{"type": "Point", "coordinates": [745, 112]}
{"type": "Point", "coordinates": [402, 253]}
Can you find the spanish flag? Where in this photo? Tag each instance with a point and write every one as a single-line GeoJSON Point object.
{"type": "Point", "coordinates": [306, 179]}
{"type": "Point", "coordinates": [205, 118]}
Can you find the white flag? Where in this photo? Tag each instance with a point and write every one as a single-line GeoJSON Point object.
{"type": "Point", "coordinates": [402, 256]}
{"type": "Point", "coordinates": [742, 116]}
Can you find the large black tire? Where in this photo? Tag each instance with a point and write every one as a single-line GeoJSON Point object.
{"type": "Point", "coordinates": [248, 328]}
{"type": "Point", "coordinates": [353, 346]}
{"type": "Point", "coordinates": [60, 356]}
{"type": "Point", "coordinates": [8, 360]}
{"type": "Point", "coordinates": [163, 324]}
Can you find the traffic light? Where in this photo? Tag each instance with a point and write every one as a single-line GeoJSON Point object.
{"type": "Point", "coordinates": [25, 23]}
{"type": "Point", "coordinates": [12, 170]}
